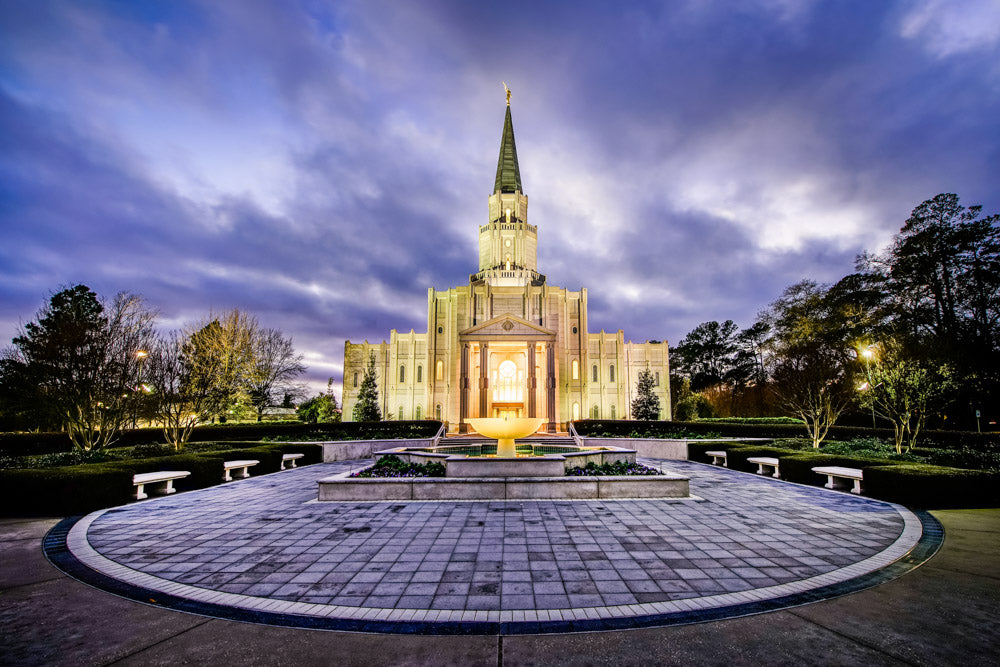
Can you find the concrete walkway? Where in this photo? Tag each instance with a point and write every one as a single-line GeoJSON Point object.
{"type": "Point", "coordinates": [943, 613]}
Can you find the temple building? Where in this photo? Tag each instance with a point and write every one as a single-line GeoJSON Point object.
{"type": "Point", "coordinates": [508, 342]}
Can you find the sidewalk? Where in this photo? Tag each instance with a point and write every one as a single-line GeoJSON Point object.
{"type": "Point", "coordinates": [943, 613]}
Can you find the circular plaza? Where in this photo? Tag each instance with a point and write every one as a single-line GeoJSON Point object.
{"type": "Point", "coordinates": [264, 550]}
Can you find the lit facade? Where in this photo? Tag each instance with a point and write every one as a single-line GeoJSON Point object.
{"type": "Point", "coordinates": [507, 343]}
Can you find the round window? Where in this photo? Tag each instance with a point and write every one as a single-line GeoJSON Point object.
{"type": "Point", "coordinates": [508, 369]}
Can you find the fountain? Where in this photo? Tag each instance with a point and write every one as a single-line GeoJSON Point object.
{"type": "Point", "coordinates": [506, 430]}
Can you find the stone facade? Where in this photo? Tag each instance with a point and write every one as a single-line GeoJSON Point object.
{"type": "Point", "coordinates": [507, 342]}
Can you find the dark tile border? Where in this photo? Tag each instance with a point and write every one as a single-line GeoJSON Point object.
{"type": "Point", "coordinates": [56, 551]}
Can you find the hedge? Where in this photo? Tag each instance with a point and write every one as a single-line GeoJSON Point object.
{"type": "Point", "coordinates": [20, 444]}
{"type": "Point", "coordinates": [697, 448]}
{"type": "Point", "coordinates": [69, 490]}
{"type": "Point", "coordinates": [941, 439]}
{"type": "Point", "coordinates": [933, 487]}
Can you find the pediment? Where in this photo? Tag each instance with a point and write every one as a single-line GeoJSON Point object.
{"type": "Point", "coordinates": [507, 326]}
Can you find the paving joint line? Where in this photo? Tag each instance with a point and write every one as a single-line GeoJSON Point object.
{"type": "Point", "coordinates": [873, 647]}
{"type": "Point", "coordinates": [157, 643]}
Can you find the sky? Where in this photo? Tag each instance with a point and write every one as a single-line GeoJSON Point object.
{"type": "Point", "coordinates": [321, 164]}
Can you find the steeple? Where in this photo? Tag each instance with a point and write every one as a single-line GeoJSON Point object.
{"type": "Point", "coordinates": [508, 245]}
{"type": "Point", "coordinates": [508, 173]}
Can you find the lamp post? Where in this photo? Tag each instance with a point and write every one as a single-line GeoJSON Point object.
{"type": "Point", "coordinates": [140, 355]}
{"type": "Point", "coordinates": [867, 352]}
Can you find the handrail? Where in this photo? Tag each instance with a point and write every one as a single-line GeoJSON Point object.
{"type": "Point", "coordinates": [576, 436]}
{"type": "Point", "coordinates": [440, 434]}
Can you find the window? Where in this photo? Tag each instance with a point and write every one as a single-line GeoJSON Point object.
{"type": "Point", "coordinates": [595, 413]}
{"type": "Point", "coordinates": [611, 373]}
{"type": "Point", "coordinates": [355, 379]}
{"type": "Point", "coordinates": [576, 411]}
{"type": "Point", "coordinates": [402, 373]}
{"type": "Point", "coordinates": [420, 374]}
{"type": "Point", "coordinates": [400, 417]}
{"type": "Point", "coordinates": [439, 370]}
{"type": "Point", "coordinates": [440, 330]}
{"type": "Point", "coordinates": [437, 412]}
{"type": "Point", "coordinates": [657, 378]}
{"type": "Point", "coordinates": [417, 413]}
{"type": "Point", "coordinates": [574, 329]}
{"type": "Point", "coordinates": [595, 373]}
{"type": "Point", "coordinates": [576, 369]}
{"type": "Point", "coordinates": [613, 412]}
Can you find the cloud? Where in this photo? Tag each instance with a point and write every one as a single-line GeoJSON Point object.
{"type": "Point", "coordinates": [322, 164]}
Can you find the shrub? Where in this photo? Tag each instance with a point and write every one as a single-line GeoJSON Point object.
{"type": "Point", "coordinates": [610, 469]}
{"type": "Point", "coordinates": [933, 487]}
{"type": "Point", "coordinates": [393, 466]}
{"type": "Point", "coordinates": [798, 467]}
{"type": "Point", "coordinates": [63, 491]}
{"type": "Point", "coordinates": [696, 450]}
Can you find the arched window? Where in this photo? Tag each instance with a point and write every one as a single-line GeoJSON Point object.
{"type": "Point", "coordinates": [576, 411]}
{"type": "Point", "coordinates": [595, 413]}
{"type": "Point", "coordinates": [611, 373]}
{"type": "Point", "coordinates": [417, 412]}
{"type": "Point", "coordinates": [439, 370]}
{"type": "Point", "coordinates": [400, 418]}
{"type": "Point", "coordinates": [576, 369]}
{"type": "Point", "coordinates": [437, 412]}
{"type": "Point", "coordinates": [420, 374]}
{"type": "Point", "coordinates": [402, 373]}
{"type": "Point", "coordinates": [355, 379]}
{"type": "Point", "coordinates": [595, 373]}
{"type": "Point", "coordinates": [613, 412]}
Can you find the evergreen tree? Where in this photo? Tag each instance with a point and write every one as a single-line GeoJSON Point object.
{"type": "Point", "coordinates": [646, 405]}
{"type": "Point", "coordinates": [366, 409]}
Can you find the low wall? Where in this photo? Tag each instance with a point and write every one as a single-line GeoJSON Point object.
{"type": "Point", "coordinates": [654, 448]}
{"type": "Point", "coordinates": [341, 488]}
{"type": "Point", "coordinates": [346, 450]}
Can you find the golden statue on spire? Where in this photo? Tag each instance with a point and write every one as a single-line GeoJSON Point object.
{"type": "Point", "coordinates": [508, 91]}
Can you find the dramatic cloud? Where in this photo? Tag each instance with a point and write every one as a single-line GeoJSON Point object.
{"type": "Point", "coordinates": [321, 164]}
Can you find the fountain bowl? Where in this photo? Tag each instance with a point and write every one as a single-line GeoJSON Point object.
{"type": "Point", "coordinates": [506, 430]}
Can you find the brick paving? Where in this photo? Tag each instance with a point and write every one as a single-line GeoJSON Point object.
{"type": "Point", "coordinates": [266, 538]}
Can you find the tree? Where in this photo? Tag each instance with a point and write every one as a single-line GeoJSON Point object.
{"type": "Point", "coordinates": [812, 366]}
{"type": "Point", "coordinates": [79, 362]}
{"type": "Point", "coordinates": [182, 385]}
{"type": "Point", "coordinates": [367, 409]}
{"type": "Point", "coordinates": [226, 345]}
{"type": "Point", "coordinates": [903, 388]}
{"type": "Point", "coordinates": [321, 408]}
{"type": "Point", "coordinates": [705, 354]}
{"type": "Point", "coordinates": [646, 405]}
{"type": "Point", "coordinates": [813, 383]}
{"type": "Point", "coordinates": [273, 367]}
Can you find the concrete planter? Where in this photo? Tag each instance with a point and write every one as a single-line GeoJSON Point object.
{"type": "Point", "coordinates": [341, 488]}
{"type": "Point", "coordinates": [655, 448]}
{"type": "Point", "coordinates": [347, 450]}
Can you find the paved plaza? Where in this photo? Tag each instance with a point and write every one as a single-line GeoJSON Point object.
{"type": "Point", "coordinates": [265, 547]}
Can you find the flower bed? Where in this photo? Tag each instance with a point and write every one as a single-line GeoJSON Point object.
{"type": "Point", "coordinates": [393, 466]}
{"type": "Point", "coordinates": [617, 469]}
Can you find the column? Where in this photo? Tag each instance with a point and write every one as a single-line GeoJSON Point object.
{"type": "Point", "coordinates": [463, 391]}
{"type": "Point", "coordinates": [531, 379]}
{"type": "Point", "coordinates": [484, 379]}
{"type": "Point", "coordinates": [550, 387]}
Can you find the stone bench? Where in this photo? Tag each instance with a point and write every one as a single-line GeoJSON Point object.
{"type": "Point", "coordinates": [718, 456]}
{"type": "Point", "coordinates": [290, 460]}
{"type": "Point", "coordinates": [242, 465]}
{"type": "Point", "coordinates": [765, 462]}
{"type": "Point", "coordinates": [140, 480]}
{"type": "Point", "coordinates": [840, 472]}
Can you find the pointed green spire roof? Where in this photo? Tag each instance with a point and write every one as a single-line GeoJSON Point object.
{"type": "Point", "coordinates": [508, 173]}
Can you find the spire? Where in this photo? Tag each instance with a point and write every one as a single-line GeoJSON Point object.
{"type": "Point", "coordinates": [508, 173]}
